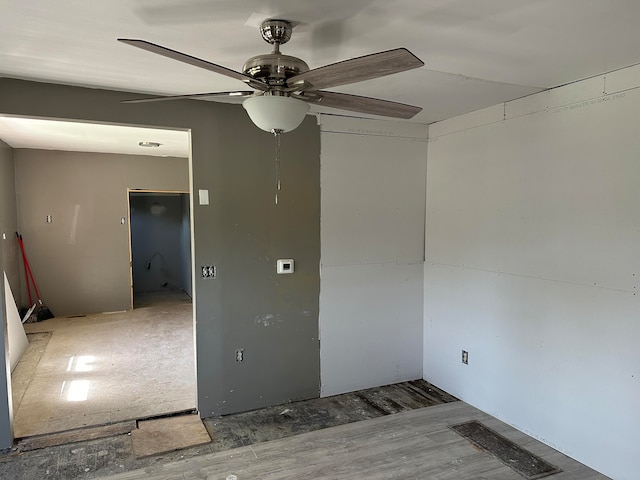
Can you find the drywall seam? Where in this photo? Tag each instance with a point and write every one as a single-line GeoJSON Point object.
{"type": "Point", "coordinates": [518, 112]}
{"type": "Point", "coordinates": [350, 264]}
{"type": "Point", "coordinates": [514, 274]}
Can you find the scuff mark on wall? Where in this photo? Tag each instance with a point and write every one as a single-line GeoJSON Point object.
{"type": "Point", "coordinates": [268, 319]}
{"type": "Point", "coordinates": [271, 319]}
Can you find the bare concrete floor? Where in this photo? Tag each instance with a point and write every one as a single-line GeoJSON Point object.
{"type": "Point", "coordinates": [106, 368]}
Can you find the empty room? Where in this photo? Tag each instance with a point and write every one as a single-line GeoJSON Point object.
{"type": "Point", "coordinates": [394, 239]}
{"type": "Point", "coordinates": [91, 272]}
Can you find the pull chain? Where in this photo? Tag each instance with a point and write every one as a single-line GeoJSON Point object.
{"type": "Point", "coordinates": [277, 134]}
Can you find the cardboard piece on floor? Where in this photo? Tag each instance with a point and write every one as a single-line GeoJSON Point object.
{"type": "Point", "coordinates": [77, 435]}
{"type": "Point", "coordinates": [168, 434]}
{"type": "Point", "coordinates": [17, 337]}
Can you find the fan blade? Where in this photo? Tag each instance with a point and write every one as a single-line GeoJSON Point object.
{"type": "Point", "coordinates": [196, 62]}
{"type": "Point", "coordinates": [358, 69]}
{"type": "Point", "coordinates": [240, 94]}
{"type": "Point", "coordinates": [355, 103]}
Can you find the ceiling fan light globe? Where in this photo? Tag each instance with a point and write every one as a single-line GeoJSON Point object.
{"type": "Point", "coordinates": [275, 113]}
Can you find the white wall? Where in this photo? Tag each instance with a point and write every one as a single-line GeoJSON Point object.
{"type": "Point", "coordinates": [6, 410]}
{"type": "Point", "coordinates": [532, 265]}
{"type": "Point", "coordinates": [372, 247]}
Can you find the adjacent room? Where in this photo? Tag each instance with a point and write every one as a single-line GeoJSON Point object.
{"type": "Point", "coordinates": [405, 235]}
{"type": "Point", "coordinates": [104, 227]}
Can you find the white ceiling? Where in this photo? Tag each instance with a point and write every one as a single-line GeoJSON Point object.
{"type": "Point", "coordinates": [477, 52]}
{"type": "Point", "coordinates": [92, 137]}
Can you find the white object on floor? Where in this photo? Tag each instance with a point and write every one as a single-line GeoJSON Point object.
{"type": "Point", "coordinates": [17, 337]}
{"type": "Point", "coordinates": [29, 312]}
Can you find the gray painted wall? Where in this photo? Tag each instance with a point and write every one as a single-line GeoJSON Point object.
{"type": "Point", "coordinates": [242, 232]}
{"type": "Point", "coordinates": [81, 259]}
{"type": "Point", "coordinates": [9, 217]}
{"type": "Point", "coordinates": [9, 263]}
{"type": "Point", "coordinates": [157, 247]}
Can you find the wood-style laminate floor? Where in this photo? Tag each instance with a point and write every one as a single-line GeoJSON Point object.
{"type": "Point", "coordinates": [100, 451]}
{"type": "Point", "coordinates": [395, 431]}
{"type": "Point", "coordinates": [105, 368]}
{"type": "Point", "coordinates": [416, 444]}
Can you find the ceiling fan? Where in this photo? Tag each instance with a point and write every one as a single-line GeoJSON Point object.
{"type": "Point", "coordinates": [285, 86]}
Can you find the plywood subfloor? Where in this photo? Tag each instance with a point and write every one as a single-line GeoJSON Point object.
{"type": "Point", "coordinates": [76, 436]}
{"type": "Point", "coordinates": [167, 434]}
{"type": "Point", "coordinates": [107, 368]}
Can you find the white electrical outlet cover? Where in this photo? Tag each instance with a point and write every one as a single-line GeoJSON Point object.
{"type": "Point", "coordinates": [285, 265]}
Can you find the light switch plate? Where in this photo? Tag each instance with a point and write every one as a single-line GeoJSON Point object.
{"type": "Point", "coordinates": [203, 196]}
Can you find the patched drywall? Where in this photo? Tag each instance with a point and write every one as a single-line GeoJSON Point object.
{"type": "Point", "coordinates": [532, 266]}
{"type": "Point", "coordinates": [373, 190]}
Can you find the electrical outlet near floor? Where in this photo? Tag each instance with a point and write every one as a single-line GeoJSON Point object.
{"type": "Point", "coordinates": [465, 357]}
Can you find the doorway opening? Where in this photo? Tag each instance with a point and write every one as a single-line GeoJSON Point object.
{"type": "Point", "coordinates": [160, 246]}
{"type": "Point", "coordinates": [99, 362]}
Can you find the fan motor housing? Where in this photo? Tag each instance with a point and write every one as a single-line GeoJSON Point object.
{"type": "Point", "coordinates": [275, 31]}
{"type": "Point", "coordinates": [274, 67]}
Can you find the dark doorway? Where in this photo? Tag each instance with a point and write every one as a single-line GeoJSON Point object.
{"type": "Point", "coordinates": [160, 243]}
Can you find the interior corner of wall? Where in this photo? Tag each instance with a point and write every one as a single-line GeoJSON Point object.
{"type": "Point", "coordinates": [467, 121]}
